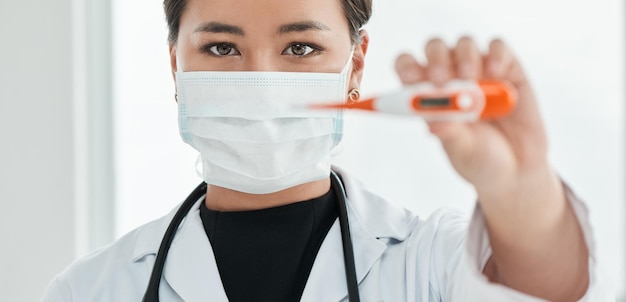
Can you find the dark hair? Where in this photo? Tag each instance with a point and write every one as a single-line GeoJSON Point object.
{"type": "Point", "coordinates": [357, 12]}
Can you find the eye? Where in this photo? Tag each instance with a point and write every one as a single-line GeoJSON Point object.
{"type": "Point", "coordinates": [300, 49]}
{"type": "Point", "coordinates": [222, 49]}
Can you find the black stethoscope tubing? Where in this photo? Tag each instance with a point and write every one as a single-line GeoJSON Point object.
{"type": "Point", "coordinates": [152, 291]}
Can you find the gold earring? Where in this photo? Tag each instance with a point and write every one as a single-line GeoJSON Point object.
{"type": "Point", "coordinates": [353, 96]}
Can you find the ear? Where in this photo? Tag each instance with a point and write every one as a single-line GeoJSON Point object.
{"type": "Point", "coordinates": [173, 62]}
{"type": "Point", "coordinates": [358, 61]}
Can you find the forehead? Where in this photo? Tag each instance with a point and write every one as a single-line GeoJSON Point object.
{"type": "Point", "coordinates": [255, 15]}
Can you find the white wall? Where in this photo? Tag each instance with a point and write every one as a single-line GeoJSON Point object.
{"type": "Point", "coordinates": [36, 153]}
{"type": "Point", "coordinates": [572, 50]}
{"type": "Point", "coordinates": [574, 54]}
{"type": "Point", "coordinates": [56, 158]}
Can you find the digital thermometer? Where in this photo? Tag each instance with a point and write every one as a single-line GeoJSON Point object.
{"type": "Point", "coordinates": [458, 100]}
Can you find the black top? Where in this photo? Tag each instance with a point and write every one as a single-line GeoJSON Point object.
{"type": "Point", "coordinates": [267, 255]}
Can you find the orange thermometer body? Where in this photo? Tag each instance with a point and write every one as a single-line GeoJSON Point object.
{"type": "Point", "coordinates": [458, 100]}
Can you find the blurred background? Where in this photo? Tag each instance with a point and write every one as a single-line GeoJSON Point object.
{"type": "Point", "coordinates": [90, 146]}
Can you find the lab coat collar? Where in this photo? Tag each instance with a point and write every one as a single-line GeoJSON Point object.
{"type": "Point", "coordinates": [192, 273]}
{"type": "Point", "coordinates": [190, 269]}
{"type": "Point", "coordinates": [375, 215]}
{"type": "Point", "coordinates": [372, 220]}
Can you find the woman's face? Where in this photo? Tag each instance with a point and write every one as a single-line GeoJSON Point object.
{"type": "Point", "coordinates": [267, 35]}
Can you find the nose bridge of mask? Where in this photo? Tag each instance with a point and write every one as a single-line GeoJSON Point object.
{"type": "Point", "coordinates": [258, 95]}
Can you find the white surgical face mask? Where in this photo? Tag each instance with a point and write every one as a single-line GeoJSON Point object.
{"type": "Point", "coordinates": [252, 130]}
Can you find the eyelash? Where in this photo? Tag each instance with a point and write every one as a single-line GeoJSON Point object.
{"type": "Point", "coordinates": [207, 48]}
{"type": "Point", "coordinates": [316, 49]}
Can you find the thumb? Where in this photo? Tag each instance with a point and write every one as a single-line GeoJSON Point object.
{"type": "Point", "coordinates": [459, 142]}
{"type": "Point", "coordinates": [453, 135]}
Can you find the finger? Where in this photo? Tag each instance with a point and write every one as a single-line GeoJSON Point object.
{"type": "Point", "coordinates": [458, 140]}
{"type": "Point", "coordinates": [468, 59]}
{"type": "Point", "coordinates": [439, 61]}
{"type": "Point", "coordinates": [524, 125]}
{"type": "Point", "coordinates": [500, 60]}
{"type": "Point", "coordinates": [447, 132]}
{"type": "Point", "coordinates": [409, 70]}
{"type": "Point", "coordinates": [501, 64]}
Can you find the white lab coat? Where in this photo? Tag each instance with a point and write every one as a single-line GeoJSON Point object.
{"type": "Point", "coordinates": [399, 257]}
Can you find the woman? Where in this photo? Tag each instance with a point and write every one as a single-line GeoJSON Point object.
{"type": "Point", "coordinates": [265, 226]}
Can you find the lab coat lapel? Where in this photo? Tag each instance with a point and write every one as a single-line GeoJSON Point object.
{"type": "Point", "coordinates": [190, 268]}
{"type": "Point", "coordinates": [327, 281]}
{"type": "Point", "coordinates": [373, 221]}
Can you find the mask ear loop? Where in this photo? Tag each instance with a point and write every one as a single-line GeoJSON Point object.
{"type": "Point", "coordinates": [179, 71]}
{"type": "Point", "coordinates": [178, 67]}
{"type": "Point", "coordinates": [347, 67]}
{"type": "Point", "coordinates": [353, 96]}
{"type": "Point", "coordinates": [198, 166]}
{"type": "Point", "coordinates": [345, 75]}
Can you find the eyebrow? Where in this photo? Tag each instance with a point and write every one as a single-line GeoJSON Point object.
{"type": "Point", "coordinates": [217, 27]}
{"type": "Point", "coordinates": [301, 27]}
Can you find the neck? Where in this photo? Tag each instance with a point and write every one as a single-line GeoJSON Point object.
{"type": "Point", "coordinates": [227, 200]}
